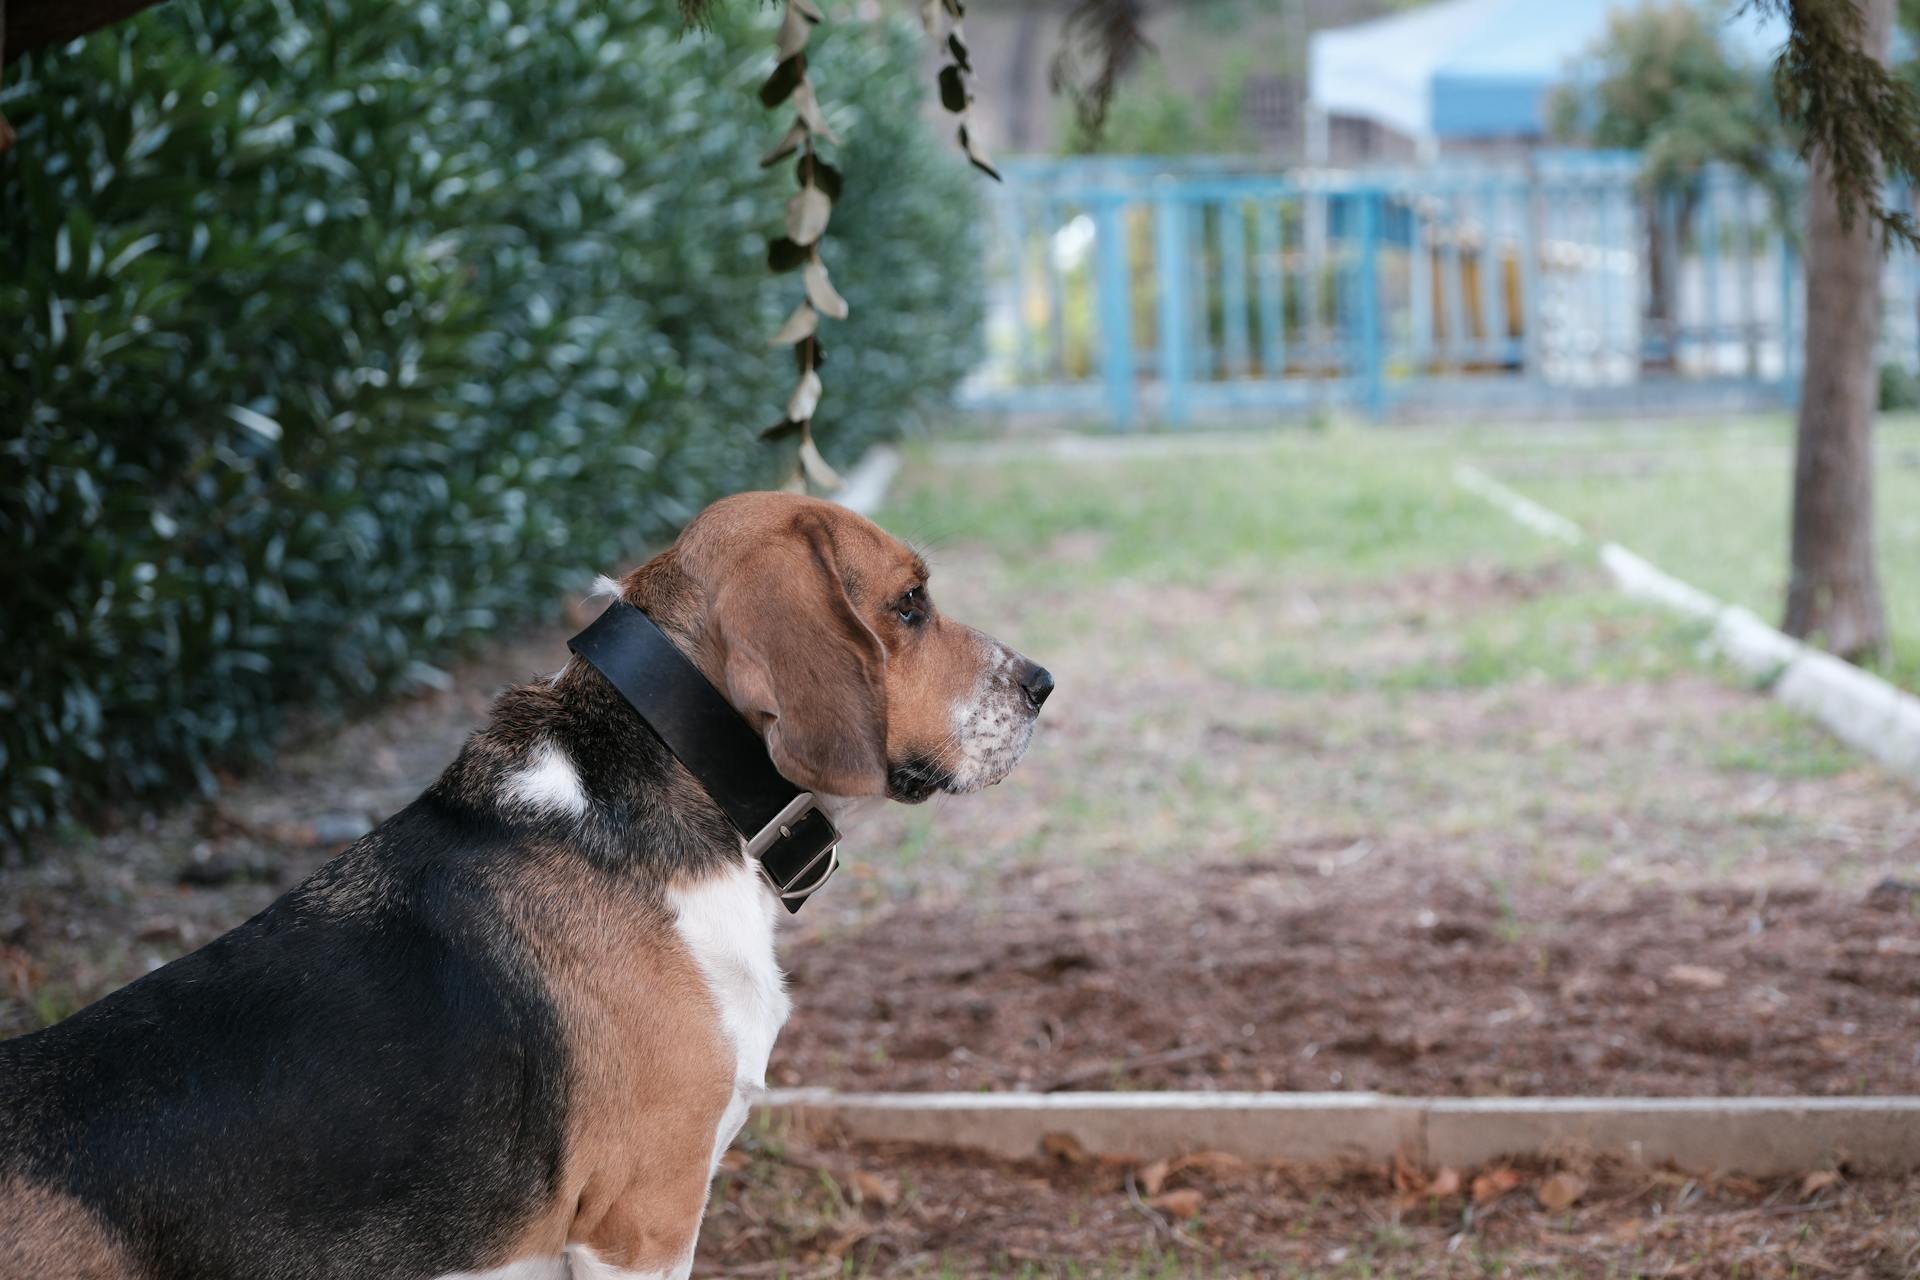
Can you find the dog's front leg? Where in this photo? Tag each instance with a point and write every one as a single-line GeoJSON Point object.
{"type": "Point", "coordinates": [643, 1221]}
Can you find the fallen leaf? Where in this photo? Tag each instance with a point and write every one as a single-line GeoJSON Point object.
{"type": "Point", "coordinates": [1816, 1182]}
{"type": "Point", "coordinates": [1561, 1191]}
{"type": "Point", "coordinates": [1408, 1178]}
{"type": "Point", "coordinates": [1178, 1204]}
{"type": "Point", "coordinates": [884, 1192]}
{"type": "Point", "coordinates": [1152, 1177]}
{"type": "Point", "coordinates": [1445, 1183]}
{"type": "Point", "coordinates": [1697, 976]}
{"type": "Point", "coordinates": [1063, 1146]}
{"type": "Point", "coordinates": [1215, 1164]}
{"type": "Point", "coordinates": [1493, 1184]}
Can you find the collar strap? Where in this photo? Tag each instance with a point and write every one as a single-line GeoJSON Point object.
{"type": "Point", "coordinates": [785, 832]}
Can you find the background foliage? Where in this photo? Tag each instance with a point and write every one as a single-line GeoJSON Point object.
{"type": "Point", "coordinates": [1150, 116]}
{"type": "Point", "coordinates": [345, 333]}
{"type": "Point", "coordinates": [1662, 84]}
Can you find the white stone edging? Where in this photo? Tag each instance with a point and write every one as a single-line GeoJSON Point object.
{"type": "Point", "coordinates": [1857, 706]}
{"type": "Point", "coordinates": [1757, 1136]}
{"type": "Point", "coordinates": [865, 485]}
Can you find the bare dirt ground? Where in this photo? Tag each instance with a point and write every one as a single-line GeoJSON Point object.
{"type": "Point", "coordinates": [1462, 823]}
{"type": "Point", "coordinates": [876, 1210]}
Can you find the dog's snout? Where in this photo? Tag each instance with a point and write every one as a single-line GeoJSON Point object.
{"type": "Point", "coordinates": [1037, 682]}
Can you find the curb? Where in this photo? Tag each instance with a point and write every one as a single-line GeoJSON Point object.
{"type": "Point", "coordinates": [1761, 1137]}
{"type": "Point", "coordinates": [1857, 706]}
{"type": "Point", "coordinates": [864, 487]}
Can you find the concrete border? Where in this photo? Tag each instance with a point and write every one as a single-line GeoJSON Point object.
{"type": "Point", "coordinates": [1857, 706]}
{"type": "Point", "coordinates": [1756, 1136]}
{"type": "Point", "coordinates": [865, 485]}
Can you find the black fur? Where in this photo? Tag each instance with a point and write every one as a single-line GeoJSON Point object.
{"type": "Point", "coordinates": [368, 1079]}
{"type": "Point", "coordinates": [914, 780]}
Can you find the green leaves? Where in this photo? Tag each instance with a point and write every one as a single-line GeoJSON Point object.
{"type": "Point", "coordinates": [338, 342]}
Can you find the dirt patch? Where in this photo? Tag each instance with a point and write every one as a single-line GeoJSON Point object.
{"type": "Point", "coordinates": [1334, 965]}
{"type": "Point", "coordinates": [904, 1211]}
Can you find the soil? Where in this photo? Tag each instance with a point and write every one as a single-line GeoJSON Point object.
{"type": "Point", "coordinates": [780, 1210]}
{"type": "Point", "coordinates": [1324, 968]}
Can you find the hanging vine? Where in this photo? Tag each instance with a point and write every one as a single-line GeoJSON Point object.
{"type": "Point", "coordinates": [943, 19]}
{"type": "Point", "coordinates": [808, 212]}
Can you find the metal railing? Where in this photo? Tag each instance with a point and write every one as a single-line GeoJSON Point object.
{"type": "Point", "coordinates": [1132, 288]}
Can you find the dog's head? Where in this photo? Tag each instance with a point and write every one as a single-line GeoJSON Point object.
{"type": "Point", "coordinates": [822, 631]}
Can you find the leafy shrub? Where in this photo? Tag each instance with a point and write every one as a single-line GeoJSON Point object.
{"type": "Point", "coordinates": [342, 335]}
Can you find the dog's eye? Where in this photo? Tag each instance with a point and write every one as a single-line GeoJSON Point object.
{"type": "Point", "coordinates": [912, 607]}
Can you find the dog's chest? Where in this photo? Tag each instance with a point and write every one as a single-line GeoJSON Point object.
{"type": "Point", "coordinates": [727, 924]}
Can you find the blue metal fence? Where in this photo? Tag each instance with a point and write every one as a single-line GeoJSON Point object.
{"type": "Point", "coordinates": [1129, 288]}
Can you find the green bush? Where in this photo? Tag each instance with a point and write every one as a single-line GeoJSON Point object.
{"type": "Point", "coordinates": [344, 334]}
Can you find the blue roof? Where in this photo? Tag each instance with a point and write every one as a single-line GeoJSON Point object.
{"type": "Point", "coordinates": [1486, 66]}
{"type": "Point", "coordinates": [1499, 83]}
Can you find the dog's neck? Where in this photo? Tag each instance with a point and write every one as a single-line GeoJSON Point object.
{"type": "Point", "coordinates": [568, 760]}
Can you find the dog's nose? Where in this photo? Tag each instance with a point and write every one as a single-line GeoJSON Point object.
{"type": "Point", "coordinates": [1037, 681]}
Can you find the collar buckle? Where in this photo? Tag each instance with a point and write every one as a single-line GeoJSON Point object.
{"type": "Point", "coordinates": [797, 851]}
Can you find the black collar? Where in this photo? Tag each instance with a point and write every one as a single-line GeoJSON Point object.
{"type": "Point", "coordinates": [785, 831]}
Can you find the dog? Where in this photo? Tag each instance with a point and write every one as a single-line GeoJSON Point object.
{"type": "Point", "coordinates": [510, 1032]}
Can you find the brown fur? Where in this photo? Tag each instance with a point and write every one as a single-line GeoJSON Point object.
{"type": "Point", "coordinates": [50, 1235]}
{"type": "Point", "coordinates": [757, 572]}
{"type": "Point", "coordinates": [654, 1070]}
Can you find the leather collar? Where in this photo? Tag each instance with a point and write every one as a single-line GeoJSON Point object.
{"type": "Point", "coordinates": [784, 831]}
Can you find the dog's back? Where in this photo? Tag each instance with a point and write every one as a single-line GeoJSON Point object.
{"type": "Point", "coordinates": [270, 1091]}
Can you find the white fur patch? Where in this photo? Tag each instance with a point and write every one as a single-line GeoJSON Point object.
{"type": "Point", "coordinates": [577, 1263]}
{"type": "Point", "coordinates": [553, 1267]}
{"type": "Point", "coordinates": [547, 781]}
{"type": "Point", "coordinates": [727, 922]}
{"type": "Point", "coordinates": [991, 728]}
{"type": "Point", "coordinates": [587, 1267]}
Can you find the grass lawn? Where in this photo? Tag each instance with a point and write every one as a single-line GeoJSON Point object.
{"type": "Point", "coordinates": [1711, 504]}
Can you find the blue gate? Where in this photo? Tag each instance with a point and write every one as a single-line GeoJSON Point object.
{"type": "Point", "coordinates": [1134, 287]}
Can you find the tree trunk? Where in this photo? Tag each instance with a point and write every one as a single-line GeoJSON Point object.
{"type": "Point", "coordinates": [1833, 591]}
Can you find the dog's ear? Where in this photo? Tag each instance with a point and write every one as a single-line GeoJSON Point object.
{"type": "Point", "coordinates": [803, 668]}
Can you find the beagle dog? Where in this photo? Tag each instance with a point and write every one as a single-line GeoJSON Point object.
{"type": "Point", "coordinates": [510, 1032]}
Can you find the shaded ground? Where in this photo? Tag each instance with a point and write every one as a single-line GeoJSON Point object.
{"type": "Point", "coordinates": [902, 1211]}
{"type": "Point", "coordinates": [1348, 783]}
